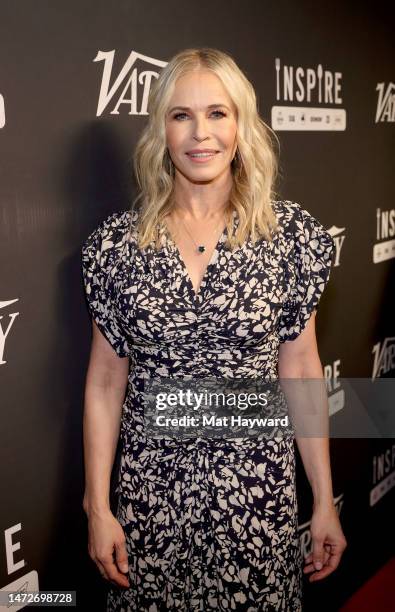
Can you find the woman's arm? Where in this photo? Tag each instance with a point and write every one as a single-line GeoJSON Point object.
{"type": "Point", "coordinates": [299, 359]}
{"type": "Point", "coordinates": [105, 387]}
{"type": "Point", "coordinates": [106, 382]}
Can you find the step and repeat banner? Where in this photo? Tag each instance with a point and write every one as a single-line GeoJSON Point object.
{"type": "Point", "coordinates": [74, 85]}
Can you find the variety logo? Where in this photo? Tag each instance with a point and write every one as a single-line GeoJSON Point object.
{"type": "Point", "coordinates": [338, 236]}
{"type": "Point", "coordinates": [385, 233]}
{"type": "Point", "coordinates": [2, 112]}
{"type": "Point", "coordinates": [385, 111]}
{"type": "Point", "coordinates": [131, 86]}
{"type": "Point", "coordinates": [304, 529]}
{"type": "Point", "coordinates": [4, 332]}
{"type": "Point", "coordinates": [311, 86]}
{"type": "Point", "coordinates": [383, 474]}
{"type": "Point", "coordinates": [384, 357]}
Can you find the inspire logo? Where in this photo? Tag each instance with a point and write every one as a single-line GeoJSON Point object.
{"type": "Point", "coordinates": [383, 474]}
{"type": "Point", "coordinates": [385, 111]}
{"type": "Point", "coordinates": [385, 235]}
{"type": "Point", "coordinates": [130, 87]}
{"type": "Point", "coordinates": [311, 86]}
{"type": "Point", "coordinates": [336, 392]}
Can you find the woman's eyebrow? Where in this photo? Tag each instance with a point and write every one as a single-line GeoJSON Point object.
{"type": "Point", "coordinates": [186, 108]}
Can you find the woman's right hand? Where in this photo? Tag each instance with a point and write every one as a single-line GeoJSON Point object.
{"type": "Point", "coordinates": [105, 537]}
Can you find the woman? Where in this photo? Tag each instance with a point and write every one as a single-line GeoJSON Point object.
{"type": "Point", "coordinates": [211, 277]}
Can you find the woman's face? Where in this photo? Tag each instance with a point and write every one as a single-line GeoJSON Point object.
{"type": "Point", "coordinates": [207, 121]}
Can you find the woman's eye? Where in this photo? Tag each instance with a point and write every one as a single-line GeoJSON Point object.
{"type": "Point", "coordinates": [221, 113]}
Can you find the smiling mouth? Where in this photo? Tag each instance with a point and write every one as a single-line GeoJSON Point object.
{"type": "Point", "coordinates": [202, 156]}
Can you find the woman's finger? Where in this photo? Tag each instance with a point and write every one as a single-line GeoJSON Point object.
{"type": "Point", "coordinates": [309, 566]}
{"type": "Point", "coordinates": [330, 567]}
{"type": "Point", "coordinates": [121, 557]}
{"type": "Point", "coordinates": [318, 552]}
{"type": "Point", "coordinates": [101, 569]}
{"type": "Point", "coordinates": [112, 571]}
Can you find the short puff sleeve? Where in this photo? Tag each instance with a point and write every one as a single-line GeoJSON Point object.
{"type": "Point", "coordinates": [308, 265]}
{"type": "Point", "coordinates": [100, 256]}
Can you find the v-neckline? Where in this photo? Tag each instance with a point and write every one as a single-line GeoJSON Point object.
{"type": "Point", "coordinates": [196, 295]}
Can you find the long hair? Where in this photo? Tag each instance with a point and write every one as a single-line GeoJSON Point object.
{"type": "Point", "coordinates": [254, 167]}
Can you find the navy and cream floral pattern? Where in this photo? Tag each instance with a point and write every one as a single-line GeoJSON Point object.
{"type": "Point", "coordinates": [210, 523]}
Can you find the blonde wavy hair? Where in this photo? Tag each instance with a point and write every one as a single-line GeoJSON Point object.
{"type": "Point", "coordinates": [254, 167]}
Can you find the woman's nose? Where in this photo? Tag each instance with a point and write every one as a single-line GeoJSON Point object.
{"type": "Point", "coordinates": [200, 128]}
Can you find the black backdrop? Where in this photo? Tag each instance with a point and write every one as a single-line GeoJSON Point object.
{"type": "Point", "coordinates": [66, 151]}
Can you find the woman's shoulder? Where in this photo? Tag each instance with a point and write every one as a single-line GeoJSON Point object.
{"type": "Point", "coordinates": [110, 238]}
{"type": "Point", "coordinates": [114, 228]}
{"type": "Point", "coordinates": [296, 222]}
{"type": "Point", "coordinates": [287, 213]}
{"type": "Point", "coordinates": [301, 231]}
{"type": "Point", "coordinates": [114, 225]}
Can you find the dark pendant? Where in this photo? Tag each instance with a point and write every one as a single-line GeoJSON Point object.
{"type": "Point", "coordinates": [202, 248]}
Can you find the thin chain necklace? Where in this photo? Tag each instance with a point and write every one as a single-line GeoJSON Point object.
{"type": "Point", "coordinates": [199, 247]}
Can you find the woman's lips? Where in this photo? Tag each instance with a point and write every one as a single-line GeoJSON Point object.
{"type": "Point", "coordinates": [202, 158]}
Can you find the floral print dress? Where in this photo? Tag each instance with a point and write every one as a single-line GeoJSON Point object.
{"type": "Point", "coordinates": [210, 524]}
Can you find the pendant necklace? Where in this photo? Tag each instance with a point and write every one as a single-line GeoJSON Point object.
{"type": "Point", "coordinates": [200, 247]}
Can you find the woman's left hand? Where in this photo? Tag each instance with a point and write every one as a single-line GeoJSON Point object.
{"type": "Point", "coordinates": [328, 542]}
